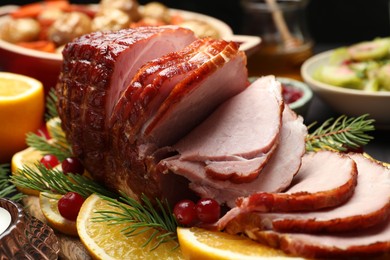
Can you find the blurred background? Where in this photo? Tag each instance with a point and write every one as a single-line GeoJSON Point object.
{"type": "Point", "coordinates": [330, 21]}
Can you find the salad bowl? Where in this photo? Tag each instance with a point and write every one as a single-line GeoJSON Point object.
{"type": "Point", "coordinates": [347, 101]}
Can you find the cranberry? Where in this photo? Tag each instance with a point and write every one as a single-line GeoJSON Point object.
{"type": "Point", "coordinates": [69, 205]}
{"type": "Point", "coordinates": [72, 165]}
{"type": "Point", "coordinates": [50, 161]}
{"type": "Point", "coordinates": [185, 212]}
{"type": "Point", "coordinates": [290, 94]}
{"type": "Point", "coordinates": [208, 210]}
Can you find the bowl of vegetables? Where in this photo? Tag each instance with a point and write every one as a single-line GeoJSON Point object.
{"type": "Point", "coordinates": [32, 36]}
{"type": "Point", "coordinates": [353, 80]}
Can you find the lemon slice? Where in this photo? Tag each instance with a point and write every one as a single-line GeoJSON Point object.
{"type": "Point", "coordinates": [106, 241]}
{"type": "Point", "coordinates": [21, 111]}
{"type": "Point", "coordinates": [49, 207]}
{"type": "Point", "coordinates": [27, 157]}
{"type": "Point", "coordinates": [197, 243]}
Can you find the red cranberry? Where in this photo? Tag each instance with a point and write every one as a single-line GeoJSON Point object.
{"type": "Point", "coordinates": [69, 205]}
{"type": "Point", "coordinates": [72, 165]}
{"type": "Point", "coordinates": [290, 94]}
{"type": "Point", "coordinates": [185, 212]}
{"type": "Point", "coordinates": [50, 161]}
{"type": "Point", "coordinates": [208, 210]}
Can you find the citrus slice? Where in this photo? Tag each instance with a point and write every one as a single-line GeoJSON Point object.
{"type": "Point", "coordinates": [21, 111]}
{"type": "Point", "coordinates": [49, 207]}
{"type": "Point", "coordinates": [197, 243]}
{"type": "Point", "coordinates": [105, 240]}
{"type": "Point", "coordinates": [27, 157]}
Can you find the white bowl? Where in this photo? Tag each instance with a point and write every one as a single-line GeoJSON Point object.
{"type": "Point", "coordinates": [46, 66]}
{"type": "Point", "coordinates": [347, 101]}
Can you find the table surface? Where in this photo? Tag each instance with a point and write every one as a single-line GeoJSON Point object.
{"type": "Point", "coordinates": [379, 147]}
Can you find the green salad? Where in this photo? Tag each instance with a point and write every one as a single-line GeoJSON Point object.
{"type": "Point", "coordinates": [363, 66]}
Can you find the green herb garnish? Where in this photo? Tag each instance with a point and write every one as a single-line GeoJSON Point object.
{"type": "Point", "coordinates": [341, 134]}
{"type": "Point", "coordinates": [142, 217]}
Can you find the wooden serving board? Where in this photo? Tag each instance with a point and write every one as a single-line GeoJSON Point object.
{"type": "Point", "coordinates": [70, 247]}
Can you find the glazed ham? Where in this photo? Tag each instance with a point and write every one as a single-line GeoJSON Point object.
{"type": "Point", "coordinates": [96, 70]}
{"type": "Point", "coordinates": [155, 111]}
{"type": "Point", "coordinates": [142, 90]}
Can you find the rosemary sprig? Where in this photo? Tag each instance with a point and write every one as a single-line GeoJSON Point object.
{"type": "Point", "coordinates": [7, 189]}
{"type": "Point", "coordinates": [141, 217]}
{"type": "Point", "coordinates": [341, 134]}
{"type": "Point", "coordinates": [55, 181]}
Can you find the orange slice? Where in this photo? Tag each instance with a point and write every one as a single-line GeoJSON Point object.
{"type": "Point", "coordinates": [49, 207]}
{"type": "Point", "coordinates": [21, 111]}
{"type": "Point", "coordinates": [105, 240]}
{"type": "Point", "coordinates": [27, 157]}
{"type": "Point", "coordinates": [197, 243]}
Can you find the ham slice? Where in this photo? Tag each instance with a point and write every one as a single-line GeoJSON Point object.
{"type": "Point", "coordinates": [237, 140]}
{"type": "Point", "coordinates": [360, 244]}
{"type": "Point", "coordinates": [275, 177]}
{"type": "Point", "coordinates": [361, 211]}
{"type": "Point", "coordinates": [313, 188]}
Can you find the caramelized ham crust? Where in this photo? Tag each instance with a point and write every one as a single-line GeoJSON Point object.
{"type": "Point", "coordinates": [96, 70]}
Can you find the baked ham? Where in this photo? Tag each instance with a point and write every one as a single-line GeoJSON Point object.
{"type": "Point", "coordinates": [155, 111]}
{"type": "Point", "coordinates": [139, 91]}
{"type": "Point", "coordinates": [97, 68]}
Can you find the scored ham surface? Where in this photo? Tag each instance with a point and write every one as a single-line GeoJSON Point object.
{"type": "Point", "coordinates": [96, 70]}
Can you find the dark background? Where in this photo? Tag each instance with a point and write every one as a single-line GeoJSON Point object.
{"type": "Point", "coordinates": [329, 21]}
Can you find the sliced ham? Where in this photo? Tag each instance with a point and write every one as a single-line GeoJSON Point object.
{"type": "Point", "coordinates": [313, 187]}
{"type": "Point", "coordinates": [369, 206]}
{"type": "Point", "coordinates": [275, 177]}
{"type": "Point", "coordinates": [237, 140]}
{"type": "Point", "coordinates": [225, 135]}
{"type": "Point", "coordinates": [370, 243]}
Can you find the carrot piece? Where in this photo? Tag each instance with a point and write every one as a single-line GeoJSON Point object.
{"type": "Point", "coordinates": [34, 9]}
{"type": "Point", "coordinates": [46, 46]}
{"type": "Point", "coordinates": [177, 19]}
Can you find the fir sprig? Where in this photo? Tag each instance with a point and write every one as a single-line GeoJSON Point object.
{"type": "Point", "coordinates": [341, 134]}
{"type": "Point", "coordinates": [141, 217]}
{"type": "Point", "coordinates": [55, 181]}
{"type": "Point", "coordinates": [7, 189]}
{"type": "Point", "coordinates": [60, 148]}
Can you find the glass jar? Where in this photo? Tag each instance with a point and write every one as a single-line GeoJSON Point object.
{"type": "Point", "coordinates": [286, 42]}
